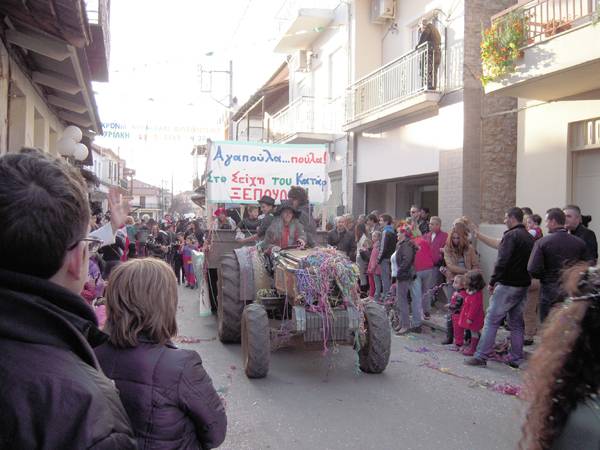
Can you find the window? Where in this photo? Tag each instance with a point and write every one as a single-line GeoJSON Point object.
{"type": "Point", "coordinates": [142, 201]}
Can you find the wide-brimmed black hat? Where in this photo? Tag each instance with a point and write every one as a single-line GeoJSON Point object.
{"type": "Point", "coordinates": [267, 200]}
{"type": "Point", "coordinates": [287, 204]}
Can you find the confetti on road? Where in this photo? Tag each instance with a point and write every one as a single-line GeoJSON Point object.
{"type": "Point", "coordinates": [502, 388]}
{"type": "Point", "coordinates": [418, 350]}
{"type": "Point", "coordinates": [192, 340]}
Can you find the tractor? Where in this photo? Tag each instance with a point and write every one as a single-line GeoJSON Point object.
{"type": "Point", "coordinates": [264, 302]}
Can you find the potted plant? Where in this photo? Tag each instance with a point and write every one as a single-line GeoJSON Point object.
{"type": "Point", "coordinates": [555, 26]}
{"type": "Point", "coordinates": [501, 45]}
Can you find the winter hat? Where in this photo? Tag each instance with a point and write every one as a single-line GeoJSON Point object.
{"type": "Point", "coordinates": [267, 200]}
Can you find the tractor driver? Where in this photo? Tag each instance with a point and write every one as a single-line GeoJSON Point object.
{"type": "Point", "coordinates": [285, 231]}
{"type": "Point", "coordinates": [299, 198]}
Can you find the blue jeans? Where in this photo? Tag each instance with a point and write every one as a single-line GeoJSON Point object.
{"type": "Point", "coordinates": [402, 288]}
{"type": "Point", "coordinates": [505, 301]}
{"type": "Point", "coordinates": [386, 276]}
{"type": "Point", "coordinates": [377, 294]}
{"type": "Point", "coordinates": [549, 293]}
{"type": "Point", "coordinates": [419, 290]}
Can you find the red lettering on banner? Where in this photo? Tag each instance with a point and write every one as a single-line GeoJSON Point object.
{"type": "Point", "coordinates": [310, 158]}
{"type": "Point", "coordinates": [254, 194]}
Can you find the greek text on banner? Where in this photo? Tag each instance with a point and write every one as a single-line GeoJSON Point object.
{"type": "Point", "coordinates": [242, 172]}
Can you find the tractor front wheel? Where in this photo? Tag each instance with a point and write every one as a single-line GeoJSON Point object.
{"type": "Point", "coordinates": [256, 341]}
{"type": "Point", "coordinates": [374, 353]}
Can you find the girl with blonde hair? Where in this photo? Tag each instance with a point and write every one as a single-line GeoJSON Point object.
{"type": "Point", "coordinates": [166, 392]}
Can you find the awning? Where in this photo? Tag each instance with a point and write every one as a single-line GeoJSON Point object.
{"type": "Point", "coordinates": [304, 30]}
{"type": "Point", "coordinates": [50, 37]}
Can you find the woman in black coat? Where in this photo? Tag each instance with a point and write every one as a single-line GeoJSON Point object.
{"type": "Point", "coordinates": [166, 392]}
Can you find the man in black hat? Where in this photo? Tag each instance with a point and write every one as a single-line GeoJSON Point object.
{"type": "Point", "coordinates": [267, 205]}
{"type": "Point", "coordinates": [286, 230]}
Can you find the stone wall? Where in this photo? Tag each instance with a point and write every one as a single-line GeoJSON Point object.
{"type": "Point", "coordinates": [449, 182]}
{"type": "Point", "coordinates": [490, 143]}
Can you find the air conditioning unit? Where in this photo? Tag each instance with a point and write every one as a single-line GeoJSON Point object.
{"type": "Point", "coordinates": [382, 10]}
{"type": "Point", "coordinates": [300, 61]}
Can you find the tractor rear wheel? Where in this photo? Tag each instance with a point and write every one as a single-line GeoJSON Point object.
{"type": "Point", "coordinates": [374, 353]}
{"type": "Point", "coordinates": [230, 307]}
{"type": "Point", "coordinates": [256, 341]}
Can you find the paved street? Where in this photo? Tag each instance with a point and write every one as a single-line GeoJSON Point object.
{"type": "Point", "coordinates": [426, 399]}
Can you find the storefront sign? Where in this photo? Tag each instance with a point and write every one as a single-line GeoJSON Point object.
{"type": "Point", "coordinates": [242, 172]}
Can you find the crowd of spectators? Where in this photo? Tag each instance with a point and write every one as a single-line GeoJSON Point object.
{"type": "Point", "coordinates": [161, 397]}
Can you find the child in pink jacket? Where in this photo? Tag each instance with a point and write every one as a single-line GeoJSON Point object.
{"type": "Point", "coordinates": [374, 269]}
{"type": "Point", "coordinates": [472, 314]}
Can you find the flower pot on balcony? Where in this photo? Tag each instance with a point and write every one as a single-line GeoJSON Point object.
{"type": "Point", "coordinates": [555, 27]}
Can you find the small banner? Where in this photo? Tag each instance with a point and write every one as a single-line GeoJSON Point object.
{"type": "Point", "coordinates": [242, 172]}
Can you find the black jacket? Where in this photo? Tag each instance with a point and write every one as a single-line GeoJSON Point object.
{"type": "Point", "coordinates": [589, 237]}
{"type": "Point", "coordinates": [168, 395]}
{"type": "Point", "coordinates": [53, 394]}
{"type": "Point", "coordinates": [264, 225]}
{"type": "Point", "coordinates": [388, 245]}
{"type": "Point", "coordinates": [552, 253]}
{"type": "Point", "coordinates": [513, 256]}
{"type": "Point", "coordinates": [347, 244]}
{"type": "Point", "coordinates": [405, 260]}
{"type": "Point", "coordinates": [333, 237]}
{"type": "Point", "coordinates": [113, 252]}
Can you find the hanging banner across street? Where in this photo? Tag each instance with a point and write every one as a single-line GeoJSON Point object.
{"type": "Point", "coordinates": [242, 172]}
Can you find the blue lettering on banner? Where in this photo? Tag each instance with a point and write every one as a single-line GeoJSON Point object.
{"type": "Point", "coordinates": [301, 180]}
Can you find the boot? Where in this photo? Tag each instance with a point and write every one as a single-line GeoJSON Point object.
{"type": "Point", "coordinates": [459, 332]}
{"type": "Point", "coordinates": [449, 331]}
{"type": "Point", "coordinates": [470, 350]}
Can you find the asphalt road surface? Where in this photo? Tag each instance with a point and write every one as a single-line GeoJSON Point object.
{"type": "Point", "coordinates": [426, 398]}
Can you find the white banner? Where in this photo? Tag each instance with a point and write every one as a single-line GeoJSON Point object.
{"type": "Point", "coordinates": [242, 172]}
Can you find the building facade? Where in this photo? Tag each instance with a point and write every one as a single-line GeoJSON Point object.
{"type": "Point", "coordinates": [148, 199]}
{"type": "Point", "coordinates": [406, 122]}
{"type": "Point", "coordinates": [558, 151]}
{"type": "Point", "coordinates": [111, 173]}
{"type": "Point", "coordinates": [416, 113]}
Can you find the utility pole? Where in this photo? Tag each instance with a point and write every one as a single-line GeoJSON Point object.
{"type": "Point", "coordinates": [229, 104]}
{"type": "Point", "coordinates": [230, 109]}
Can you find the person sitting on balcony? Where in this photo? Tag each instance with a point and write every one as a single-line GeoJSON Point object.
{"type": "Point", "coordinates": [428, 34]}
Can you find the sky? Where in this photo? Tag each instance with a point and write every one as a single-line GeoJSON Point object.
{"type": "Point", "coordinates": [157, 50]}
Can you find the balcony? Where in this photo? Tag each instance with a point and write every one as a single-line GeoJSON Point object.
{"type": "Point", "coordinates": [308, 120]}
{"type": "Point", "coordinates": [560, 55]}
{"type": "Point", "coordinates": [404, 86]}
{"type": "Point", "coordinates": [98, 53]}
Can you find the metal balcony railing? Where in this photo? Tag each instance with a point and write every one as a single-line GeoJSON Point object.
{"type": "Point", "coordinates": [546, 18]}
{"type": "Point", "coordinates": [308, 115]}
{"type": "Point", "coordinates": [400, 79]}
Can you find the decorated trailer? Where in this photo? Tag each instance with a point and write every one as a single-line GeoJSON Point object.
{"type": "Point", "coordinates": [268, 297]}
{"type": "Point", "coordinates": [240, 173]}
